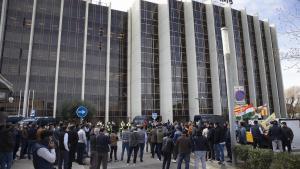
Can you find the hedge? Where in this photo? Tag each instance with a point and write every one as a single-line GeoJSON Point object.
{"type": "Point", "coordinates": [265, 158]}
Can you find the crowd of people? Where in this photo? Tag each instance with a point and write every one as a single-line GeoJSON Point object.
{"type": "Point", "coordinates": [62, 144]}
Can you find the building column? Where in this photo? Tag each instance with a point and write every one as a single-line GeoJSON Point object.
{"type": "Point", "coordinates": [165, 69]}
{"type": "Point", "coordinates": [213, 58]}
{"type": "Point", "coordinates": [25, 103]}
{"type": "Point", "coordinates": [273, 78]}
{"type": "Point", "coordinates": [136, 71]}
{"type": "Point", "coordinates": [191, 59]}
{"type": "Point", "coordinates": [2, 27]}
{"type": "Point", "coordinates": [86, 21]}
{"type": "Point", "coordinates": [129, 67]}
{"type": "Point", "coordinates": [261, 63]}
{"type": "Point", "coordinates": [249, 58]}
{"type": "Point", "coordinates": [229, 25]}
{"type": "Point", "coordinates": [280, 86]}
{"type": "Point", "coordinates": [108, 65]}
{"type": "Point", "coordinates": [58, 57]}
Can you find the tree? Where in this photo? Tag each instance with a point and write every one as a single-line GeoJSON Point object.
{"type": "Point", "coordinates": [292, 95]}
{"type": "Point", "coordinates": [68, 109]}
{"type": "Point", "coordinates": [289, 27]}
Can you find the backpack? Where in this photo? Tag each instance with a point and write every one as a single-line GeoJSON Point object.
{"type": "Point", "coordinates": [167, 145]}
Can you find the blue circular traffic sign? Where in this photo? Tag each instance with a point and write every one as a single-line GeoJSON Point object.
{"type": "Point", "coordinates": [240, 95]}
{"type": "Point", "coordinates": [81, 112]}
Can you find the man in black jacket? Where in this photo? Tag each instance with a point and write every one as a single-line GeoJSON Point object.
{"type": "Point", "coordinates": [167, 149]}
{"type": "Point", "coordinates": [210, 137]}
{"type": "Point", "coordinates": [73, 140]}
{"type": "Point", "coordinates": [287, 138]}
{"type": "Point", "coordinates": [200, 146]}
{"type": "Point", "coordinates": [102, 146]}
{"type": "Point", "coordinates": [257, 134]}
{"type": "Point", "coordinates": [63, 146]}
{"type": "Point", "coordinates": [219, 143]}
{"type": "Point", "coordinates": [6, 142]}
{"type": "Point", "coordinates": [275, 134]}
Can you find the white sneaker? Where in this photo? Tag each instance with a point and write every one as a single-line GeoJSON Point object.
{"type": "Point", "coordinates": [173, 161]}
{"type": "Point", "coordinates": [133, 165]}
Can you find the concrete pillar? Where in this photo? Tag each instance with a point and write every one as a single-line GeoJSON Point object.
{"type": "Point", "coordinates": [249, 58]}
{"type": "Point", "coordinates": [25, 103]}
{"type": "Point", "coordinates": [280, 86]}
{"type": "Point", "coordinates": [229, 25]}
{"type": "Point", "coordinates": [86, 21]}
{"type": "Point", "coordinates": [191, 59]}
{"type": "Point", "coordinates": [129, 67]}
{"type": "Point", "coordinates": [107, 65]}
{"type": "Point", "coordinates": [2, 26]}
{"type": "Point", "coordinates": [58, 57]}
{"type": "Point", "coordinates": [273, 78]}
{"type": "Point", "coordinates": [261, 62]}
{"type": "Point", "coordinates": [136, 72]}
{"type": "Point", "coordinates": [213, 58]}
{"type": "Point", "coordinates": [165, 69]}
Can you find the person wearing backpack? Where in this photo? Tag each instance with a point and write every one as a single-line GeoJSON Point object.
{"type": "Point", "coordinates": [153, 140]}
{"type": "Point", "coordinates": [200, 147]}
{"type": "Point", "coordinates": [159, 141]}
{"type": "Point", "coordinates": [167, 149]}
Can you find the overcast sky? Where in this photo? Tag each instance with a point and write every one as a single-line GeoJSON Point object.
{"type": "Point", "coordinates": [276, 11]}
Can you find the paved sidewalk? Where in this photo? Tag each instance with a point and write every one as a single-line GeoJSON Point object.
{"type": "Point", "coordinates": [149, 163]}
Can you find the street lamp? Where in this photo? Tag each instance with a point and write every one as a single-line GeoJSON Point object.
{"type": "Point", "coordinates": [230, 86]}
{"type": "Point", "coordinates": [201, 106]}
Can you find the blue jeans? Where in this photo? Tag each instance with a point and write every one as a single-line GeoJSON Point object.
{"type": "Point", "coordinates": [6, 159]}
{"type": "Point", "coordinates": [219, 151]}
{"type": "Point", "coordinates": [30, 145]}
{"type": "Point", "coordinates": [141, 147]}
{"type": "Point", "coordinates": [200, 155]}
{"type": "Point", "coordinates": [125, 145]}
{"type": "Point", "coordinates": [186, 158]}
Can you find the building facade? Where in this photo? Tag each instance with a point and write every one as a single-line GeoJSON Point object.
{"type": "Point", "coordinates": [164, 57]}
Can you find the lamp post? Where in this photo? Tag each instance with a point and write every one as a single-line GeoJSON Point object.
{"type": "Point", "coordinates": [230, 86]}
{"type": "Point", "coordinates": [201, 105]}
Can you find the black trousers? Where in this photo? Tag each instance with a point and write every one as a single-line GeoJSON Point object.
{"type": "Point", "coordinates": [153, 146]}
{"type": "Point", "coordinates": [72, 155]}
{"type": "Point", "coordinates": [287, 143]}
{"type": "Point", "coordinates": [80, 151]}
{"type": "Point", "coordinates": [211, 153]}
{"type": "Point", "coordinates": [113, 149]}
{"type": "Point", "coordinates": [257, 142]}
{"type": "Point", "coordinates": [228, 148]}
{"type": "Point", "coordinates": [167, 160]}
{"type": "Point", "coordinates": [135, 150]}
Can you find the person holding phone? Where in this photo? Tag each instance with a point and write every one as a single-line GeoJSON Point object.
{"type": "Point", "coordinates": [44, 152]}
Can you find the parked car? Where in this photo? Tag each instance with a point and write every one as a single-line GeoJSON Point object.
{"type": "Point", "coordinates": [14, 119]}
{"type": "Point", "coordinates": [202, 118]}
{"type": "Point", "coordinates": [38, 121]}
{"type": "Point", "coordinates": [140, 120]}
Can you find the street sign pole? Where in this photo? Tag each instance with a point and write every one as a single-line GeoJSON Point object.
{"type": "Point", "coordinates": [230, 89]}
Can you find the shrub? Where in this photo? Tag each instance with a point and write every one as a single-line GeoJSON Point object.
{"type": "Point", "coordinates": [285, 161]}
{"type": "Point", "coordinates": [265, 158]}
{"type": "Point", "coordinates": [242, 151]}
{"type": "Point", "coordinates": [259, 158]}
